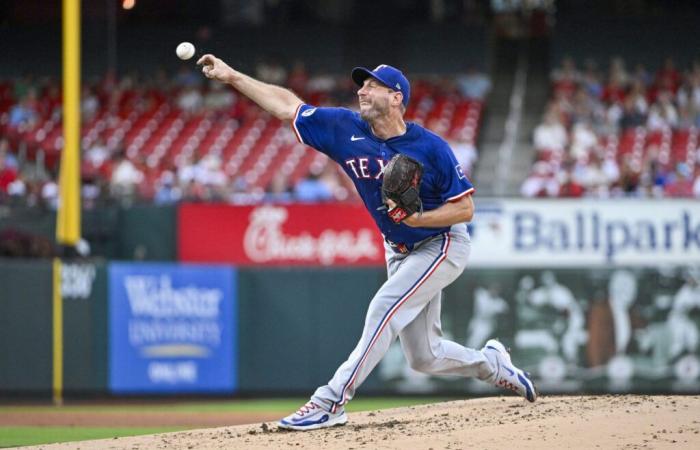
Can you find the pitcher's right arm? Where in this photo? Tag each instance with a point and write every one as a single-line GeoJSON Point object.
{"type": "Point", "coordinates": [278, 101]}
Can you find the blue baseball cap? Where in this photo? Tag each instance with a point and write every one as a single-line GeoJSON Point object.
{"type": "Point", "coordinates": [389, 76]}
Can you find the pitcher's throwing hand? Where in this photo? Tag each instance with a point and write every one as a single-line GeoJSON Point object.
{"type": "Point", "coordinates": [213, 67]}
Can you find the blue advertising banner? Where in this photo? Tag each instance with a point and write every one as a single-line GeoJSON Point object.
{"type": "Point", "coordinates": [172, 328]}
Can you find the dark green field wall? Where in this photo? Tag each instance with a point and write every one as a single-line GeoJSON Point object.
{"type": "Point", "coordinates": [142, 233]}
{"type": "Point", "coordinates": [298, 325]}
{"type": "Point", "coordinates": [85, 327]}
{"type": "Point", "coordinates": [25, 326]}
{"type": "Point", "coordinates": [574, 330]}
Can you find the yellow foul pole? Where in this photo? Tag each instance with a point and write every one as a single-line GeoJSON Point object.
{"type": "Point", "coordinates": [68, 218]}
{"type": "Point", "coordinates": [68, 214]}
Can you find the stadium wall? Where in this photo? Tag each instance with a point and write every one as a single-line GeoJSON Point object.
{"type": "Point", "coordinates": [283, 331]}
{"type": "Point", "coordinates": [281, 310]}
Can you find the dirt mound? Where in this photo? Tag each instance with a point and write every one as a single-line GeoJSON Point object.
{"type": "Point", "coordinates": [626, 421]}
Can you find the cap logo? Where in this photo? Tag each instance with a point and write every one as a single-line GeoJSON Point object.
{"type": "Point", "coordinates": [398, 86]}
{"type": "Point", "coordinates": [381, 66]}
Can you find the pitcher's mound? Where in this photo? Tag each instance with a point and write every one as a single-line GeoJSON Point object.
{"type": "Point", "coordinates": [587, 422]}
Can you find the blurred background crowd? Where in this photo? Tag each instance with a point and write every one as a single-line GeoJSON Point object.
{"type": "Point", "coordinates": [615, 130]}
{"type": "Point", "coordinates": [166, 139]}
{"type": "Point", "coordinates": [154, 130]}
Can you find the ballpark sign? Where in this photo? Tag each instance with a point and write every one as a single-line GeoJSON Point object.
{"type": "Point", "coordinates": [330, 234]}
{"type": "Point", "coordinates": [172, 328]}
{"type": "Point", "coordinates": [572, 233]}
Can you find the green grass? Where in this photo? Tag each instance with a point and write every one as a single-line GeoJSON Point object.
{"type": "Point", "coordinates": [264, 405]}
{"type": "Point", "coordinates": [29, 435]}
{"type": "Point", "coordinates": [17, 436]}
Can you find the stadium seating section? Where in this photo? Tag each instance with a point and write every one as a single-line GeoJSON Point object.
{"type": "Point", "coordinates": [640, 129]}
{"type": "Point", "coordinates": [155, 134]}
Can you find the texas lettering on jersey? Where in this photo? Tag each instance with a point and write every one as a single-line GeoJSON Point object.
{"type": "Point", "coordinates": [360, 167]}
{"type": "Point", "coordinates": [349, 141]}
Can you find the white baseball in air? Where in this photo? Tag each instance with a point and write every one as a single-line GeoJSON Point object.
{"type": "Point", "coordinates": [185, 50]}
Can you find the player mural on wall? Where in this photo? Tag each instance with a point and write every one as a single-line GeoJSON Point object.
{"type": "Point", "coordinates": [424, 252]}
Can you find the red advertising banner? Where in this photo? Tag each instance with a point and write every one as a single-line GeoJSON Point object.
{"type": "Point", "coordinates": [279, 235]}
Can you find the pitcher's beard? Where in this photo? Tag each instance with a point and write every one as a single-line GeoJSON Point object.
{"type": "Point", "coordinates": [372, 114]}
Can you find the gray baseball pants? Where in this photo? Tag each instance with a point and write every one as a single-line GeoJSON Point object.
{"type": "Point", "coordinates": [408, 306]}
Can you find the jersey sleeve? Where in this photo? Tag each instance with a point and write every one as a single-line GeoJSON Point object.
{"type": "Point", "coordinates": [318, 127]}
{"type": "Point", "coordinates": [452, 180]}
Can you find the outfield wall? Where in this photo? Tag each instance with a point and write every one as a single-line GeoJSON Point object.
{"type": "Point", "coordinates": [166, 328]}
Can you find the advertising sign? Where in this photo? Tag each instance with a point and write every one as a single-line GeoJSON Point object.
{"type": "Point", "coordinates": [575, 330]}
{"type": "Point", "coordinates": [279, 235]}
{"type": "Point", "coordinates": [575, 233]}
{"type": "Point", "coordinates": [172, 328]}
{"type": "Point", "coordinates": [505, 233]}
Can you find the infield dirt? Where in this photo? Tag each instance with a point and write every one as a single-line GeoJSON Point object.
{"type": "Point", "coordinates": [587, 422]}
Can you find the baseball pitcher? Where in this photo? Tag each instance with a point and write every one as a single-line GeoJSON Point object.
{"type": "Point", "coordinates": [420, 199]}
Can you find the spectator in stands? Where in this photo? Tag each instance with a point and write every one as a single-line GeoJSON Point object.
{"type": "Point", "coordinates": [610, 169]}
{"type": "Point", "coordinates": [279, 190]}
{"type": "Point", "coordinates": [568, 185]}
{"type": "Point", "coordinates": [187, 78]}
{"type": "Point", "coordinates": [654, 178]}
{"type": "Point", "coordinates": [24, 114]}
{"type": "Point", "coordinates": [696, 185]}
{"type": "Point", "coordinates": [91, 190]}
{"type": "Point", "coordinates": [167, 190]}
{"type": "Point", "coordinates": [668, 77]}
{"type": "Point", "coordinates": [211, 176]}
{"type": "Point", "coordinates": [618, 71]}
{"type": "Point", "coordinates": [8, 174]}
{"type": "Point", "coordinates": [586, 108]}
{"type": "Point", "coordinates": [202, 179]}
{"type": "Point", "coordinates": [312, 189]}
{"type": "Point", "coordinates": [550, 136]}
{"type": "Point", "coordinates": [49, 194]}
{"type": "Point", "coordinates": [219, 97]}
{"type": "Point", "coordinates": [97, 154]}
{"type": "Point", "coordinates": [638, 95]}
{"type": "Point", "coordinates": [680, 183]}
{"type": "Point", "coordinates": [190, 100]}
{"type": "Point", "coordinates": [629, 177]}
{"type": "Point", "coordinates": [688, 99]}
{"type": "Point", "coordinates": [591, 79]}
{"type": "Point", "coordinates": [594, 178]}
{"type": "Point", "coordinates": [321, 83]}
{"type": "Point", "coordinates": [663, 114]}
{"type": "Point", "coordinates": [125, 178]}
{"type": "Point", "coordinates": [565, 78]}
{"type": "Point", "coordinates": [271, 71]}
{"type": "Point", "coordinates": [474, 84]}
{"type": "Point", "coordinates": [298, 78]}
{"type": "Point", "coordinates": [583, 140]}
{"type": "Point", "coordinates": [466, 154]}
{"type": "Point", "coordinates": [540, 182]}
{"type": "Point", "coordinates": [50, 103]}
{"type": "Point", "coordinates": [641, 75]}
{"type": "Point", "coordinates": [16, 191]}
{"type": "Point", "coordinates": [331, 177]}
{"type": "Point", "coordinates": [614, 91]}
{"type": "Point", "coordinates": [89, 104]}
{"type": "Point", "coordinates": [631, 117]}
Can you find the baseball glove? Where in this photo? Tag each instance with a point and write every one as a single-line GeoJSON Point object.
{"type": "Point", "coordinates": [402, 177]}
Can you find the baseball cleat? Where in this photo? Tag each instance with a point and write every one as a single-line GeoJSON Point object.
{"type": "Point", "coordinates": [508, 376]}
{"type": "Point", "coordinates": [311, 417]}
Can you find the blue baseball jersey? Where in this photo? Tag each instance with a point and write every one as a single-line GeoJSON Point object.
{"type": "Point", "coordinates": [347, 139]}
